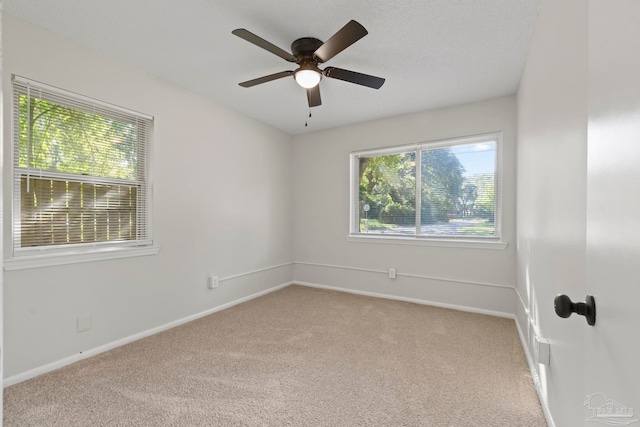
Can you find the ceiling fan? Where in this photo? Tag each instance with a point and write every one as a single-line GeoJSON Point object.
{"type": "Point", "coordinates": [308, 52]}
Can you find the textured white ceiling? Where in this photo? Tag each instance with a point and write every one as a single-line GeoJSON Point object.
{"type": "Point", "coordinates": [433, 53]}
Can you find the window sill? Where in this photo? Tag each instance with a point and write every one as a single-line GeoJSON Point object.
{"type": "Point", "coordinates": [48, 260]}
{"type": "Point", "coordinates": [452, 243]}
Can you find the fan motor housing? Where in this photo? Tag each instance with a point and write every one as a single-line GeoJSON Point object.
{"type": "Point", "coordinates": [305, 47]}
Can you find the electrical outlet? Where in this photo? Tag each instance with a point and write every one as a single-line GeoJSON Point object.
{"type": "Point", "coordinates": [392, 273]}
{"type": "Point", "coordinates": [213, 281]}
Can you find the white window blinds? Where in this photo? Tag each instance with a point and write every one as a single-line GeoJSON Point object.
{"type": "Point", "coordinates": [80, 171]}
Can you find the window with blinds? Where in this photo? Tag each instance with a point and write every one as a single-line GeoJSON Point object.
{"type": "Point", "coordinates": [80, 171]}
{"type": "Point", "coordinates": [444, 189]}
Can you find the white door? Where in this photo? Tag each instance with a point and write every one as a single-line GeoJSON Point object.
{"type": "Point", "coordinates": [612, 348]}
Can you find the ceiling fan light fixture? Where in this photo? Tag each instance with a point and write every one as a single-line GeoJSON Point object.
{"type": "Point", "coordinates": [308, 52]}
{"type": "Point", "coordinates": [307, 78]}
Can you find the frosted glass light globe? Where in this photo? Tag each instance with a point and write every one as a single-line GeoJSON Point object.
{"type": "Point", "coordinates": [308, 78]}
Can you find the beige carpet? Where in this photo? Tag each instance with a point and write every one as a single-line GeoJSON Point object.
{"type": "Point", "coordinates": [298, 357]}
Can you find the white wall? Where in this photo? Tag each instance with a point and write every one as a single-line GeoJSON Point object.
{"type": "Point", "coordinates": [2, 219]}
{"type": "Point", "coordinates": [552, 153]}
{"type": "Point", "coordinates": [321, 212]}
{"type": "Point", "coordinates": [222, 204]}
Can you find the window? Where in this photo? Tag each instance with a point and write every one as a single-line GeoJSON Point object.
{"type": "Point", "coordinates": [80, 172]}
{"type": "Point", "coordinates": [441, 190]}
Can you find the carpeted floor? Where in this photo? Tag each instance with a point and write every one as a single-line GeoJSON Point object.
{"type": "Point", "coordinates": [298, 357]}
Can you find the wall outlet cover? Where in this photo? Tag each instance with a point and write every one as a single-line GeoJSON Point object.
{"type": "Point", "coordinates": [84, 322]}
{"type": "Point", "coordinates": [542, 351]}
{"type": "Point", "coordinates": [213, 281]}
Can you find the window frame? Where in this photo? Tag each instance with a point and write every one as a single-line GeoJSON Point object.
{"type": "Point", "coordinates": [489, 242]}
{"type": "Point", "coordinates": [48, 255]}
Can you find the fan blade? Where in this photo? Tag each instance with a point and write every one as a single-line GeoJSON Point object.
{"type": "Point", "coordinates": [266, 79]}
{"type": "Point", "coordinates": [353, 77]}
{"type": "Point", "coordinates": [345, 37]}
{"type": "Point", "coordinates": [260, 42]}
{"type": "Point", "coordinates": [313, 96]}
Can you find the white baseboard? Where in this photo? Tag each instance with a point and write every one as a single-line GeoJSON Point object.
{"type": "Point", "coordinates": [407, 299]}
{"type": "Point", "coordinates": [532, 366]}
{"type": "Point", "coordinates": [23, 376]}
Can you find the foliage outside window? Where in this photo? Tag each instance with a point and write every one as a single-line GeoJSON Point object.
{"type": "Point", "coordinates": [80, 171]}
{"type": "Point", "coordinates": [447, 189]}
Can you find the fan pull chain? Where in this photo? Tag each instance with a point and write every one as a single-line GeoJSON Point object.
{"type": "Point", "coordinates": [306, 122]}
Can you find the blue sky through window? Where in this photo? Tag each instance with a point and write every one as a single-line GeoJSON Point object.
{"type": "Point", "coordinates": [476, 158]}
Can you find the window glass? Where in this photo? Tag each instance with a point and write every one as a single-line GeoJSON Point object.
{"type": "Point", "coordinates": [445, 189]}
{"type": "Point", "coordinates": [387, 193]}
{"type": "Point", "coordinates": [458, 188]}
{"type": "Point", "coordinates": [55, 137]}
